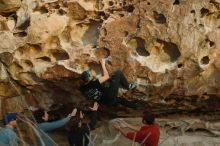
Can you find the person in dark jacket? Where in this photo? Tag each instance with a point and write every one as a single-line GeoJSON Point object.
{"type": "Point", "coordinates": [79, 133]}
{"type": "Point", "coordinates": [105, 89]}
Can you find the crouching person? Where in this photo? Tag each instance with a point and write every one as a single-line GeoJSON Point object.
{"type": "Point", "coordinates": [147, 135]}
{"type": "Point", "coordinates": [78, 133]}
{"type": "Point", "coordinates": [7, 135]}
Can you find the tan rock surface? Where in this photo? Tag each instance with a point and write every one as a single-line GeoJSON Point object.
{"type": "Point", "coordinates": [8, 6]}
{"type": "Point", "coordinates": [169, 48]}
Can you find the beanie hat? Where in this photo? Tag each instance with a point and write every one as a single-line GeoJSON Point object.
{"type": "Point", "coordinates": [85, 76]}
{"type": "Point", "coordinates": [9, 117]}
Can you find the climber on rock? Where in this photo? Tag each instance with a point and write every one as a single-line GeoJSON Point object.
{"type": "Point", "coordinates": [147, 135]}
{"type": "Point", "coordinates": [105, 89]}
{"type": "Point", "coordinates": [79, 133]}
{"type": "Point", "coordinates": [7, 135]}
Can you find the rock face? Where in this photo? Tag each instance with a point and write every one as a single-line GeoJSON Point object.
{"type": "Point", "coordinates": [169, 48]}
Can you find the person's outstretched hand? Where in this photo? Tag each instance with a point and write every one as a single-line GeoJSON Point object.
{"type": "Point", "coordinates": [73, 114]}
{"type": "Point", "coordinates": [116, 127]}
{"type": "Point", "coordinates": [124, 124]}
{"type": "Point", "coordinates": [95, 106]}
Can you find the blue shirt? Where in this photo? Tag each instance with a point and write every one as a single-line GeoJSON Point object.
{"type": "Point", "coordinates": [8, 137]}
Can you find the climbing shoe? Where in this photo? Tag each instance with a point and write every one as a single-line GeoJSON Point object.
{"type": "Point", "coordinates": [132, 86]}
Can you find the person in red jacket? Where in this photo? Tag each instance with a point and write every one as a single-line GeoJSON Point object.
{"type": "Point", "coordinates": [147, 135]}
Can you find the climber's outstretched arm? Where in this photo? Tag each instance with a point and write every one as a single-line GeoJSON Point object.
{"type": "Point", "coordinates": [105, 75]}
